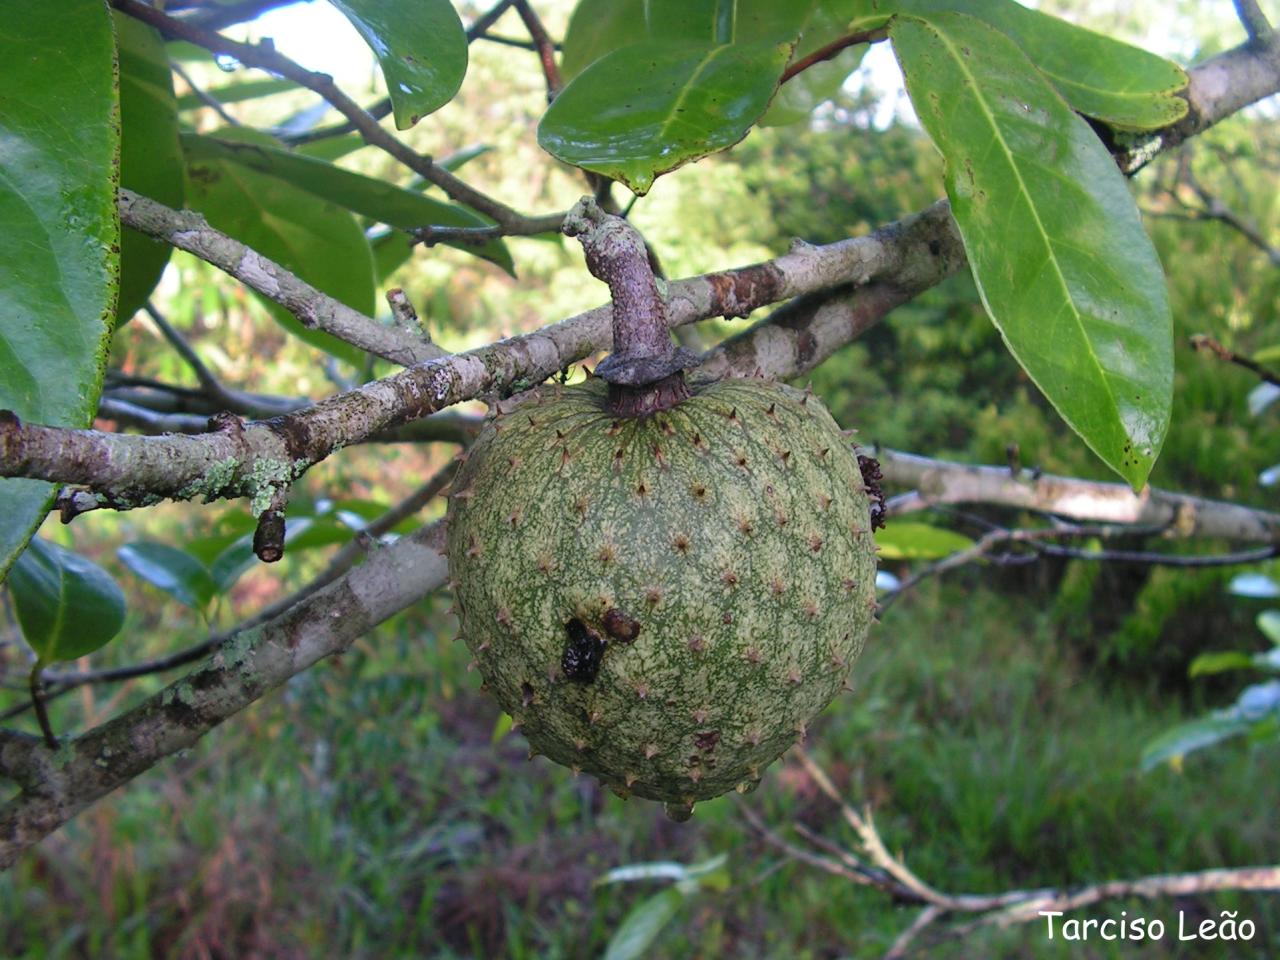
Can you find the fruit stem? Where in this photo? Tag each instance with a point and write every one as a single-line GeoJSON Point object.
{"type": "Point", "coordinates": [645, 370]}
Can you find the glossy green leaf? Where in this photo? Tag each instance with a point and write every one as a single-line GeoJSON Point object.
{"type": "Point", "coordinates": [918, 541]}
{"type": "Point", "coordinates": [651, 107]}
{"type": "Point", "coordinates": [150, 157]}
{"type": "Point", "coordinates": [639, 929]}
{"type": "Point", "coordinates": [599, 27]}
{"type": "Point", "coordinates": [318, 240]}
{"type": "Point", "coordinates": [375, 199]}
{"type": "Point", "coordinates": [1053, 237]}
{"type": "Point", "coordinates": [239, 92]}
{"type": "Point", "coordinates": [59, 244]}
{"type": "Point", "coordinates": [66, 605]}
{"type": "Point", "coordinates": [1121, 85]}
{"type": "Point", "coordinates": [421, 47]}
{"type": "Point", "coordinates": [176, 572]}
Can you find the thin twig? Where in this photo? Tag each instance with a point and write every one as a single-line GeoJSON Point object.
{"type": "Point", "coordinates": [237, 13]}
{"type": "Point", "coordinates": [542, 43]}
{"type": "Point", "coordinates": [189, 231]}
{"type": "Point", "coordinates": [833, 49]}
{"type": "Point", "coordinates": [1206, 344]}
{"type": "Point", "coordinates": [204, 96]}
{"type": "Point", "coordinates": [266, 57]}
{"type": "Point", "coordinates": [1255, 22]}
{"type": "Point", "coordinates": [38, 699]}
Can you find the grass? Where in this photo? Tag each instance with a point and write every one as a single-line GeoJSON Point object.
{"type": "Point", "coordinates": [367, 811]}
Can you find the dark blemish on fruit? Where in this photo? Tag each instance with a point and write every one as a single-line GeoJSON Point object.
{"type": "Point", "coordinates": [871, 479]}
{"type": "Point", "coordinates": [620, 625]}
{"type": "Point", "coordinates": [582, 653]}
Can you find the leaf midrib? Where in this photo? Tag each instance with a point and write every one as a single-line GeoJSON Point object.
{"type": "Point", "coordinates": [1035, 213]}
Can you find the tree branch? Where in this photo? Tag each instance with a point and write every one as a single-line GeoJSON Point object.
{"type": "Point", "coordinates": [879, 868]}
{"type": "Point", "coordinates": [546, 50]}
{"type": "Point", "coordinates": [266, 57]}
{"type": "Point", "coordinates": [940, 481]}
{"type": "Point", "coordinates": [188, 231]}
{"type": "Point", "coordinates": [1254, 21]}
{"type": "Point", "coordinates": [1206, 344]}
{"type": "Point", "coordinates": [250, 664]}
{"type": "Point", "coordinates": [251, 460]}
{"type": "Point", "coordinates": [1218, 88]}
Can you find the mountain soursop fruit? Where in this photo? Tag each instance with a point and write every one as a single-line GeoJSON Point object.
{"type": "Point", "coordinates": [666, 601]}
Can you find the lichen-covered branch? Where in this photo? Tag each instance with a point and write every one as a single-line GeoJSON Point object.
{"type": "Point", "coordinates": [936, 482]}
{"type": "Point", "coordinates": [188, 231]}
{"type": "Point", "coordinates": [254, 459]}
{"type": "Point", "coordinates": [242, 669]}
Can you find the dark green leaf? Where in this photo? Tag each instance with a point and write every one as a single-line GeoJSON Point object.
{"type": "Point", "coordinates": [918, 541]}
{"type": "Point", "coordinates": [1054, 239]}
{"type": "Point", "coordinates": [66, 605]}
{"type": "Point", "coordinates": [1104, 78]}
{"type": "Point", "coordinates": [598, 27]}
{"type": "Point", "coordinates": [150, 158]}
{"type": "Point", "coordinates": [59, 247]}
{"type": "Point", "coordinates": [319, 241]}
{"type": "Point", "coordinates": [174, 571]}
{"type": "Point", "coordinates": [651, 107]}
{"type": "Point", "coordinates": [376, 199]}
{"type": "Point", "coordinates": [640, 928]}
{"type": "Point", "coordinates": [421, 46]}
{"type": "Point", "coordinates": [239, 92]}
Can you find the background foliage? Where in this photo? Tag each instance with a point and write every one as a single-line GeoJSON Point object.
{"type": "Point", "coordinates": [375, 806]}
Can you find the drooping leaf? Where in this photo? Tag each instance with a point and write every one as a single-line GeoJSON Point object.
{"type": "Point", "coordinates": [641, 926]}
{"type": "Point", "coordinates": [176, 572]}
{"type": "Point", "coordinates": [315, 239]}
{"type": "Point", "coordinates": [376, 199]}
{"type": "Point", "coordinates": [59, 242]}
{"type": "Point", "coordinates": [1220, 661]}
{"type": "Point", "coordinates": [919, 541]}
{"type": "Point", "coordinates": [150, 158]}
{"type": "Point", "coordinates": [421, 47]}
{"type": "Point", "coordinates": [1112, 81]}
{"type": "Point", "coordinates": [1194, 735]}
{"type": "Point", "coordinates": [650, 107]}
{"type": "Point", "coordinates": [1061, 260]}
{"type": "Point", "coordinates": [66, 605]}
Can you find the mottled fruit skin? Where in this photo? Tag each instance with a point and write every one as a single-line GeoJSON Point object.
{"type": "Point", "coordinates": [664, 602]}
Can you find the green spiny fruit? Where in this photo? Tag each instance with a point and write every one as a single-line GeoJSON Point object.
{"type": "Point", "coordinates": [666, 601]}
